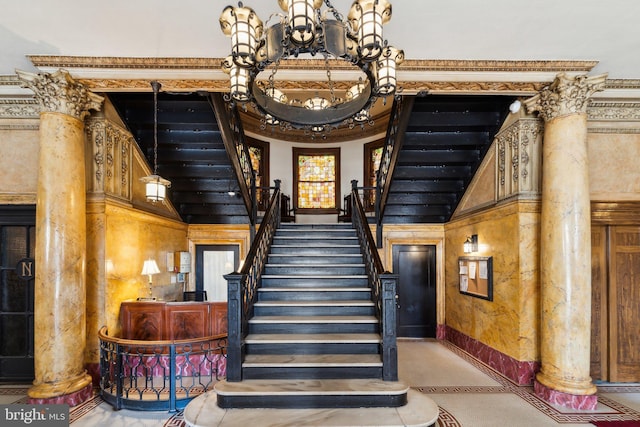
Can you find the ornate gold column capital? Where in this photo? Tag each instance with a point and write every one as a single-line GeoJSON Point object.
{"type": "Point", "coordinates": [566, 95]}
{"type": "Point", "coordinates": [60, 93]}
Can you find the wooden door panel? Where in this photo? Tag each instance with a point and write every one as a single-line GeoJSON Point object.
{"type": "Point", "coordinates": [416, 289]}
{"type": "Point", "coordinates": [624, 300]}
{"type": "Point", "coordinates": [599, 289]}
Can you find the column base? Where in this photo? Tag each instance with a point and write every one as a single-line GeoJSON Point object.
{"type": "Point", "coordinates": [587, 402]}
{"type": "Point", "coordinates": [72, 392]}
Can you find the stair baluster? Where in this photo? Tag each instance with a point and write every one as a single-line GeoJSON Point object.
{"type": "Point", "coordinates": [242, 287]}
{"type": "Point", "coordinates": [383, 287]}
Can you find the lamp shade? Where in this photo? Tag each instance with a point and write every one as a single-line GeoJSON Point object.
{"type": "Point", "coordinates": [245, 29]}
{"type": "Point", "coordinates": [301, 14]}
{"type": "Point", "coordinates": [389, 60]}
{"type": "Point", "coordinates": [150, 267]}
{"type": "Point", "coordinates": [155, 187]}
{"type": "Point", "coordinates": [367, 18]}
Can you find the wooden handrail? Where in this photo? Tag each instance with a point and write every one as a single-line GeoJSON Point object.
{"type": "Point", "coordinates": [103, 335]}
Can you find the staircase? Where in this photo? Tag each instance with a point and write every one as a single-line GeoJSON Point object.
{"type": "Point", "coordinates": [314, 340]}
{"type": "Point", "coordinates": [445, 140]}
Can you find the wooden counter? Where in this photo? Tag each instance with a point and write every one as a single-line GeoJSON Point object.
{"type": "Point", "coordinates": [159, 320]}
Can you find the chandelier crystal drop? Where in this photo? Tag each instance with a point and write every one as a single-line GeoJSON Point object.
{"type": "Point", "coordinates": [303, 31]}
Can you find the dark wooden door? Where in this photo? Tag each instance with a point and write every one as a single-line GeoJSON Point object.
{"type": "Point", "coordinates": [415, 266]}
{"type": "Point", "coordinates": [17, 268]}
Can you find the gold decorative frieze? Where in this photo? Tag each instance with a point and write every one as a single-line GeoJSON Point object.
{"type": "Point", "coordinates": [310, 64]}
{"type": "Point", "coordinates": [566, 95]}
{"type": "Point", "coordinates": [617, 111]}
{"type": "Point", "coordinates": [407, 87]}
{"type": "Point", "coordinates": [144, 85]}
{"type": "Point", "coordinates": [58, 92]}
{"type": "Point", "coordinates": [413, 87]}
{"type": "Point", "coordinates": [110, 152]}
{"type": "Point", "coordinates": [22, 108]}
{"type": "Point", "coordinates": [518, 153]}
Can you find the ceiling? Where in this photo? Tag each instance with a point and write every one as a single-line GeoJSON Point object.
{"type": "Point", "coordinates": [436, 29]}
{"type": "Point", "coordinates": [501, 48]}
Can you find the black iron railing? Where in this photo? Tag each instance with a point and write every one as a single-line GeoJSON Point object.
{"type": "Point", "coordinates": [393, 143]}
{"type": "Point", "coordinates": [383, 287]}
{"type": "Point", "coordinates": [233, 138]}
{"type": "Point", "coordinates": [242, 287]}
{"type": "Point", "coordinates": [159, 375]}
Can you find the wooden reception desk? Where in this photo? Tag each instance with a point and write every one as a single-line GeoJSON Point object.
{"type": "Point", "coordinates": [159, 320]}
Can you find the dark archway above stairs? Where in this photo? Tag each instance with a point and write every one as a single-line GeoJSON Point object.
{"type": "Point", "coordinates": [446, 139]}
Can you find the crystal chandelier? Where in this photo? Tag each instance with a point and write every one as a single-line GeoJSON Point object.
{"type": "Point", "coordinates": [305, 30]}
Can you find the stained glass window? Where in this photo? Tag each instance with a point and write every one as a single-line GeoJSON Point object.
{"type": "Point", "coordinates": [317, 178]}
{"type": "Point", "coordinates": [372, 157]}
{"type": "Point", "coordinates": [259, 156]}
{"type": "Point", "coordinates": [376, 156]}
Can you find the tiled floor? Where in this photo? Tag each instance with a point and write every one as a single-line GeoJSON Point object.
{"type": "Point", "coordinates": [467, 392]}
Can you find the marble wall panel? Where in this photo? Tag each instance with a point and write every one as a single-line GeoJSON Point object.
{"type": "Point", "coordinates": [122, 238]}
{"type": "Point", "coordinates": [613, 166]}
{"type": "Point", "coordinates": [509, 323]}
{"type": "Point", "coordinates": [482, 189]}
{"type": "Point", "coordinates": [18, 163]}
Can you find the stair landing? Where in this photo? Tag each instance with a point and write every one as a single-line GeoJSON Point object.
{"type": "Point", "coordinates": [419, 411]}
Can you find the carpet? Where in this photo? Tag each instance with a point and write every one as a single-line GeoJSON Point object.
{"type": "Point", "coordinates": [628, 423]}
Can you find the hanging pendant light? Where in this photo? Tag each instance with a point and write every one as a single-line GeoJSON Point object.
{"type": "Point", "coordinates": [155, 185]}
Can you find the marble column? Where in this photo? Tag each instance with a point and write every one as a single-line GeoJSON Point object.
{"type": "Point", "coordinates": [565, 243]}
{"type": "Point", "coordinates": [60, 287]}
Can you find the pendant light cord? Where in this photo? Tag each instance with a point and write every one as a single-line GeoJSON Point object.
{"type": "Point", "coordinates": [156, 87]}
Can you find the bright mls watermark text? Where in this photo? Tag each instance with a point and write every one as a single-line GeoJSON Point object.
{"type": "Point", "coordinates": [34, 415]}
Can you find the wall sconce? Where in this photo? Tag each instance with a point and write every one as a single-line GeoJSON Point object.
{"type": "Point", "coordinates": [471, 244]}
{"type": "Point", "coordinates": [150, 267]}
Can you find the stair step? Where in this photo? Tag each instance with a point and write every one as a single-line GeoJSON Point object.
{"type": "Point", "coordinates": [315, 250]}
{"type": "Point", "coordinates": [313, 281]}
{"type": "Point", "coordinates": [315, 308]}
{"type": "Point", "coordinates": [317, 259]}
{"type": "Point", "coordinates": [314, 269]}
{"type": "Point", "coordinates": [313, 324]}
{"type": "Point", "coordinates": [332, 303]}
{"type": "Point", "coordinates": [313, 319]}
{"type": "Point", "coordinates": [311, 360]}
{"type": "Point", "coordinates": [313, 294]}
{"type": "Point", "coordinates": [327, 232]}
{"type": "Point", "coordinates": [311, 393]}
{"type": "Point", "coordinates": [318, 241]}
{"type": "Point", "coordinates": [312, 338]}
{"type": "Point", "coordinates": [300, 226]}
{"type": "Point", "coordinates": [311, 366]}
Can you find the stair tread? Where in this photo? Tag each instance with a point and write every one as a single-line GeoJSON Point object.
{"type": "Point", "coordinates": [323, 303]}
{"type": "Point", "coordinates": [312, 338]}
{"type": "Point", "coordinates": [335, 264]}
{"type": "Point", "coordinates": [316, 245]}
{"type": "Point", "coordinates": [313, 319]}
{"type": "Point", "coordinates": [313, 276]}
{"type": "Point", "coordinates": [311, 387]}
{"type": "Point", "coordinates": [311, 360]}
{"type": "Point", "coordinates": [318, 289]}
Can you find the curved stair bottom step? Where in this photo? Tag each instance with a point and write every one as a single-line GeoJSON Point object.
{"type": "Point", "coordinates": [311, 393]}
{"type": "Point", "coordinates": [419, 411]}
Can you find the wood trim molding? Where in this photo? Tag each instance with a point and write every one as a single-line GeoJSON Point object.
{"type": "Point", "coordinates": [615, 213]}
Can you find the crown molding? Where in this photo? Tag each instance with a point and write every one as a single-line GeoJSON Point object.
{"type": "Point", "coordinates": [414, 75]}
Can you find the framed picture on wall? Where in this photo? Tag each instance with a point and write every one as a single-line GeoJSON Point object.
{"type": "Point", "coordinates": [476, 276]}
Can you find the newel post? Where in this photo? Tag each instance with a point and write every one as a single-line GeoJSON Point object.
{"type": "Point", "coordinates": [234, 329]}
{"type": "Point", "coordinates": [389, 344]}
